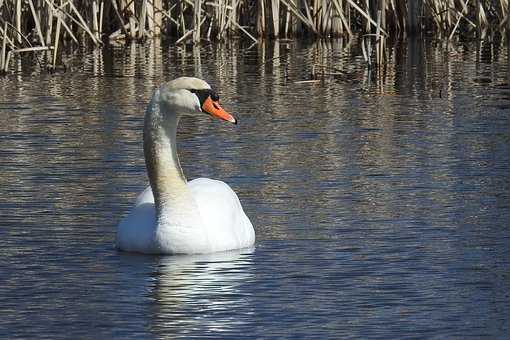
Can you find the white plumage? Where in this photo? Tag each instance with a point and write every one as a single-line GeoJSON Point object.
{"type": "Point", "coordinates": [196, 217]}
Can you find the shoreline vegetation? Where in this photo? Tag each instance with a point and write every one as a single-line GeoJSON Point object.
{"type": "Point", "coordinates": [46, 27]}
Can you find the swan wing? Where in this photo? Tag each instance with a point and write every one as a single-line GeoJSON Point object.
{"type": "Point", "coordinates": [135, 232]}
{"type": "Point", "coordinates": [226, 224]}
{"type": "Point", "coordinates": [145, 196]}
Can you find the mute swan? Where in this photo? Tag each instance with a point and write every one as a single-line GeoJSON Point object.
{"type": "Point", "coordinates": [173, 216]}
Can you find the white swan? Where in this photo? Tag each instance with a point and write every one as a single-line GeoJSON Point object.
{"type": "Point", "coordinates": [196, 217]}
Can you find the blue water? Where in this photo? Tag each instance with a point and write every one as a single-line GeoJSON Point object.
{"type": "Point", "coordinates": [381, 201]}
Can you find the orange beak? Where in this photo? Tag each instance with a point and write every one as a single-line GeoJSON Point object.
{"type": "Point", "coordinates": [214, 109]}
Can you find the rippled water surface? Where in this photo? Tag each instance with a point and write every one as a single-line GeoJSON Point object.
{"type": "Point", "coordinates": [381, 201]}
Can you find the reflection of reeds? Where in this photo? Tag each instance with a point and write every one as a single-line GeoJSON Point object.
{"type": "Point", "coordinates": [48, 25]}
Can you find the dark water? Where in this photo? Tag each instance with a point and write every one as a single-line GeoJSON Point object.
{"type": "Point", "coordinates": [381, 202]}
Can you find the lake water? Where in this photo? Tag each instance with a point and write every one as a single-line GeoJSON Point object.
{"type": "Point", "coordinates": [380, 200]}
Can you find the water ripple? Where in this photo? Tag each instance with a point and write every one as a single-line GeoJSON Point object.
{"type": "Point", "coordinates": [380, 201]}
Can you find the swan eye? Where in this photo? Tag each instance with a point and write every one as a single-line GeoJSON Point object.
{"type": "Point", "coordinates": [203, 95]}
{"type": "Point", "coordinates": [214, 96]}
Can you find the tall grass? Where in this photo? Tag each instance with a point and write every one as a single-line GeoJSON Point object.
{"type": "Point", "coordinates": [46, 26]}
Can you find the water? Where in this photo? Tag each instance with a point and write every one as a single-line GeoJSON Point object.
{"type": "Point", "coordinates": [381, 203]}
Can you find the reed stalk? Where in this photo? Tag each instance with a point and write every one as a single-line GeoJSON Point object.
{"type": "Point", "coordinates": [101, 11]}
{"type": "Point", "coordinates": [4, 45]}
{"type": "Point", "coordinates": [508, 19]}
{"type": "Point", "coordinates": [10, 42]}
{"type": "Point", "coordinates": [261, 18]}
{"type": "Point", "coordinates": [464, 8]}
{"type": "Point", "coordinates": [18, 20]}
{"type": "Point", "coordinates": [95, 22]}
{"type": "Point", "coordinates": [49, 23]}
{"type": "Point", "coordinates": [197, 14]}
{"type": "Point", "coordinates": [149, 12]}
{"type": "Point", "coordinates": [36, 22]}
{"type": "Point", "coordinates": [142, 18]}
{"type": "Point", "coordinates": [158, 8]}
{"type": "Point", "coordinates": [57, 39]}
{"type": "Point", "coordinates": [275, 14]}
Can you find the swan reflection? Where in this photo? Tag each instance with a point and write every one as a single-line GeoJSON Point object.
{"type": "Point", "coordinates": [202, 293]}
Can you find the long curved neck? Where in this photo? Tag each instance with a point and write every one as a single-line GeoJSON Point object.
{"type": "Point", "coordinates": [160, 148]}
{"type": "Point", "coordinates": [179, 227]}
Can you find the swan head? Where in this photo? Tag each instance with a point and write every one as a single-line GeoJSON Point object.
{"type": "Point", "coordinates": [189, 96]}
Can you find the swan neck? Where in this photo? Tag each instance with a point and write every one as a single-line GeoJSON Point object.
{"type": "Point", "coordinates": [161, 159]}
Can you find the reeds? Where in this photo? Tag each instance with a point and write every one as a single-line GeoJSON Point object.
{"type": "Point", "coordinates": [46, 27]}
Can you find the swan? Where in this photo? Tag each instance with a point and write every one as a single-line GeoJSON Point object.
{"type": "Point", "coordinates": [173, 216]}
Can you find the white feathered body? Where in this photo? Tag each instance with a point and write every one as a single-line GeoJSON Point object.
{"type": "Point", "coordinates": [174, 216]}
{"type": "Point", "coordinates": [220, 224]}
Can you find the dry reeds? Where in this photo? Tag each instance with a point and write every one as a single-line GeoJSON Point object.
{"type": "Point", "coordinates": [51, 25]}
